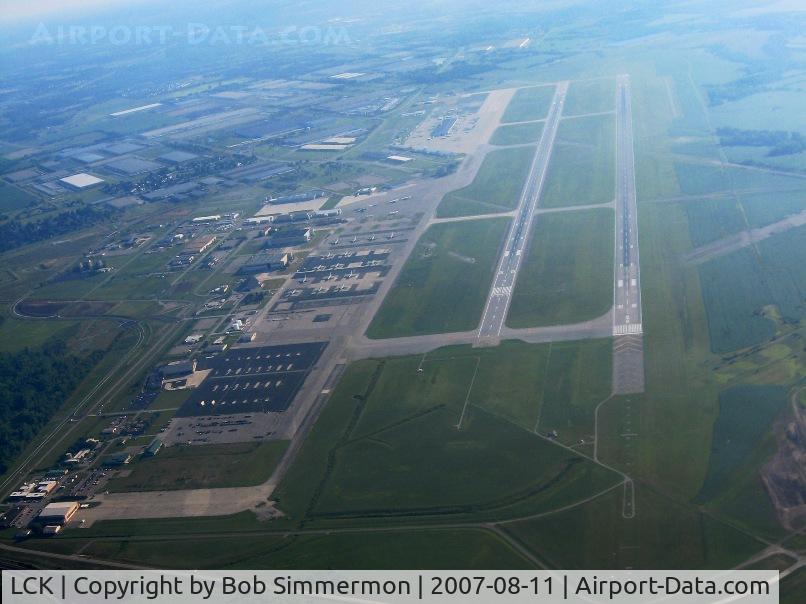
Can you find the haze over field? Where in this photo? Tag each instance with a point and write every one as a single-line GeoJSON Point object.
{"type": "Point", "coordinates": [404, 285]}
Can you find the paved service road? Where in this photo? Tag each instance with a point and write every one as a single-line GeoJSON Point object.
{"type": "Point", "coordinates": [495, 312]}
{"type": "Point", "coordinates": [628, 353]}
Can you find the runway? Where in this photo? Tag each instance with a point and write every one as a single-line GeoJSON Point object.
{"type": "Point", "coordinates": [628, 356]}
{"type": "Point", "coordinates": [495, 312]}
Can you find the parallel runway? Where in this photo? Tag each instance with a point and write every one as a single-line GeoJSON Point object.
{"type": "Point", "coordinates": [628, 355]}
{"type": "Point", "coordinates": [495, 312]}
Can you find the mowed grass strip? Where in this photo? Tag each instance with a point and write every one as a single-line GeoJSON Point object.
{"type": "Point", "coordinates": [582, 166]}
{"type": "Point", "coordinates": [203, 466]}
{"type": "Point", "coordinates": [568, 273]}
{"type": "Point", "coordinates": [529, 104]}
{"type": "Point", "coordinates": [517, 134]}
{"type": "Point", "coordinates": [496, 188]}
{"type": "Point", "coordinates": [453, 261]}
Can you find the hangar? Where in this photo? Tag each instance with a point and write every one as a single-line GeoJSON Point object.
{"type": "Point", "coordinates": [254, 379]}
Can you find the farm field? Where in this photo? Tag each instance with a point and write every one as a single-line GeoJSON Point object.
{"type": "Point", "coordinates": [746, 291]}
{"type": "Point", "coordinates": [567, 275]}
{"type": "Point", "coordinates": [450, 257]}
{"type": "Point", "coordinates": [496, 187]}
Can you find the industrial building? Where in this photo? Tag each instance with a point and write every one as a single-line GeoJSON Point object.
{"type": "Point", "coordinates": [198, 245]}
{"type": "Point", "coordinates": [153, 448]}
{"type": "Point", "coordinates": [58, 513]}
{"type": "Point", "coordinates": [290, 237]}
{"type": "Point", "coordinates": [265, 262]}
{"type": "Point", "coordinates": [178, 369]}
{"type": "Point", "coordinates": [81, 181]}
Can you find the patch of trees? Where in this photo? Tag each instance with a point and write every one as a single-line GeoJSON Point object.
{"type": "Point", "coordinates": [33, 385]}
{"type": "Point", "coordinates": [16, 233]}
{"type": "Point", "coordinates": [780, 142]}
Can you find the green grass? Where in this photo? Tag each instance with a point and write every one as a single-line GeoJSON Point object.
{"type": "Point", "coordinates": [582, 165]}
{"type": "Point", "coordinates": [663, 534]}
{"type": "Point", "coordinates": [745, 415]}
{"type": "Point", "coordinates": [13, 198]}
{"type": "Point", "coordinates": [742, 442]}
{"type": "Point", "coordinates": [739, 288]}
{"type": "Point", "coordinates": [193, 467]}
{"type": "Point", "coordinates": [449, 258]}
{"type": "Point", "coordinates": [394, 549]}
{"type": "Point", "coordinates": [765, 208]}
{"type": "Point", "coordinates": [591, 96]}
{"type": "Point", "coordinates": [567, 276]}
{"type": "Point", "coordinates": [529, 104]}
{"type": "Point", "coordinates": [712, 219]}
{"type": "Point", "coordinates": [517, 134]}
{"type": "Point", "coordinates": [734, 298]}
{"type": "Point", "coordinates": [388, 444]}
{"type": "Point", "coordinates": [496, 188]}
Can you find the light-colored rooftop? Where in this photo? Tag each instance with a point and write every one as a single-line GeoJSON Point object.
{"type": "Point", "coordinates": [81, 180]}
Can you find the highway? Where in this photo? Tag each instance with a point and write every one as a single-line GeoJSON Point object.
{"type": "Point", "coordinates": [627, 303]}
{"type": "Point", "coordinates": [628, 349]}
{"type": "Point", "coordinates": [495, 312]}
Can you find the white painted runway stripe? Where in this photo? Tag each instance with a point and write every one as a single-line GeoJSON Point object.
{"type": "Point", "coordinates": [631, 328]}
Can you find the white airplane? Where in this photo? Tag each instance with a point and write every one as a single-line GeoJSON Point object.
{"type": "Point", "coordinates": [331, 277]}
{"type": "Point", "coordinates": [335, 241]}
{"type": "Point", "coordinates": [372, 237]}
{"type": "Point", "coordinates": [304, 279]}
{"type": "Point", "coordinates": [390, 236]}
{"type": "Point", "coordinates": [355, 239]}
{"type": "Point", "coordinates": [351, 275]}
{"type": "Point", "coordinates": [393, 212]}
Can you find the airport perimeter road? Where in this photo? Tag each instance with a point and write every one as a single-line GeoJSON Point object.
{"type": "Point", "coordinates": [495, 312]}
{"type": "Point", "coordinates": [628, 353]}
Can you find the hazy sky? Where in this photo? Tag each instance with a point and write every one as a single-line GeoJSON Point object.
{"type": "Point", "coordinates": [28, 9]}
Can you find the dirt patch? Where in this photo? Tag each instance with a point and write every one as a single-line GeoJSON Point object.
{"type": "Point", "coordinates": [784, 475]}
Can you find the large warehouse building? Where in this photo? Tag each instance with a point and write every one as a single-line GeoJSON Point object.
{"type": "Point", "coordinates": [57, 513]}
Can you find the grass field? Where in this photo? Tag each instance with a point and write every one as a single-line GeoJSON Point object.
{"type": "Point", "coordinates": [449, 258]}
{"type": "Point", "coordinates": [582, 166]}
{"type": "Point", "coordinates": [193, 467]}
{"type": "Point", "coordinates": [393, 549]}
{"type": "Point", "coordinates": [517, 134]}
{"type": "Point", "coordinates": [712, 219]}
{"type": "Point", "coordinates": [388, 444]}
{"type": "Point", "coordinates": [663, 535]}
{"type": "Point", "coordinates": [496, 188]}
{"type": "Point", "coordinates": [590, 96]}
{"type": "Point", "coordinates": [741, 290]}
{"type": "Point", "coordinates": [742, 442]}
{"type": "Point", "coordinates": [529, 104]}
{"type": "Point", "coordinates": [567, 276]}
{"type": "Point", "coordinates": [13, 198]}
